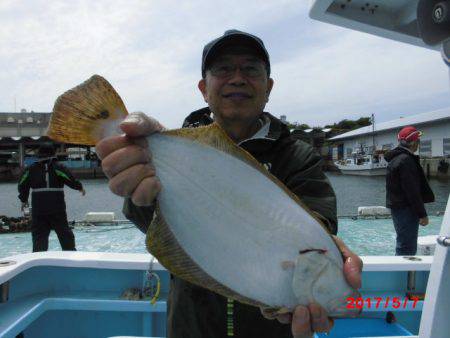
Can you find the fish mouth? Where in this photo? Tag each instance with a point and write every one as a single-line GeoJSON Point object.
{"type": "Point", "coordinates": [341, 308]}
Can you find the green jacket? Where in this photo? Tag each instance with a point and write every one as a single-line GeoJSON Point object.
{"type": "Point", "coordinates": [194, 312]}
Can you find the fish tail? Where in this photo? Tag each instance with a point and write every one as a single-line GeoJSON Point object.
{"type": "Point", "coordinates": [87, 113]}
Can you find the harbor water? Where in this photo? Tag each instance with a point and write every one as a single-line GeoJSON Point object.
{"type": "Point", "coordinates": [364, 236]}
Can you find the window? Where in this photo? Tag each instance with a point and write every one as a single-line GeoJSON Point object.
{"type": "Point", "coordinates": [446, 146]}
{"type": "Point", "coordinates": [425, 148]}
{"type": "Point", "coordinates": [348, 152]}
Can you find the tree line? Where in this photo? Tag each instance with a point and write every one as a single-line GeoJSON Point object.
{"type": "Point", "coordinates": [339, 127]}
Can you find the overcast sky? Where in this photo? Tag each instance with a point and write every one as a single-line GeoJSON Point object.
{"type": "Point", "coordinates": [150, 52]}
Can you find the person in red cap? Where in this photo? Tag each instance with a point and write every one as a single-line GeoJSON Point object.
{"type": "Point", "coordinates": [407, 191]}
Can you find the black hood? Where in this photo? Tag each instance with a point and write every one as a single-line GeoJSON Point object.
{"type": "Point", "coordinates": [395, 152]}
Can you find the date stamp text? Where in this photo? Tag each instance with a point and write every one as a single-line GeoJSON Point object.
{"type": "Point", "coordinates": [381, 302]}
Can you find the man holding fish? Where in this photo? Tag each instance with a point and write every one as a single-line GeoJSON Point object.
{"type": "Point", "coordinates": [236, 85]}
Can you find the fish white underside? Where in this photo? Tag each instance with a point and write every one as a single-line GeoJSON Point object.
{"type": "Point", "coordinates": [234, 222]}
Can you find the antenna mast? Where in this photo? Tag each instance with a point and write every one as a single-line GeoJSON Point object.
{"type": "Point", "coordinates": [373, 134]}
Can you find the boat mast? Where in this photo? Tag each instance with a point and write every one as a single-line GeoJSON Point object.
{"type": "Point", "coordinates": [373, 134]}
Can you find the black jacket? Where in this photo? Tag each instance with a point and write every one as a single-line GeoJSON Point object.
{"type": "Point", "coordinates": [406, 185]}
{"type": "Point", "coordinates": [194, 312]}
{"type": "Point", "coordinates": [46, 178]}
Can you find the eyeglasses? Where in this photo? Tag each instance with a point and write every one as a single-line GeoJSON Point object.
{"type": "Point", "coordinates": [249, 69]}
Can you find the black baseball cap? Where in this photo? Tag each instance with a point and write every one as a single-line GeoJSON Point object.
{"type": "Point", "coordinates": [46, 150]}
{"type": "Point", "coordinates": [234, 37]}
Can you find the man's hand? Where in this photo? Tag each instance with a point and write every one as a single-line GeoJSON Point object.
{"type": "Point", "coordinates": [423, 221]}
{"type": "Point", "coordinates": [126, 160]}
{"type": "Point", "coordinates": [23, 206]}
{"type": "Point", "coordinates": [313, 318]}
{"type": "Point", "coordinates": [83, 192]}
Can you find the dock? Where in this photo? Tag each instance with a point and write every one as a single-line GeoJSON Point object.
{"type": "Point", "coordinates": [21, 135]}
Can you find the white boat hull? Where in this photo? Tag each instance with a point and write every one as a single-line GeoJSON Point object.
{"type": "Point", "coordinates": [362, 170]}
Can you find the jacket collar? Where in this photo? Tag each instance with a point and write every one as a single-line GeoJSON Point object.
{"type": "Point", "coordinates": [407, 149]}
{"type": "Point", "coordinates": [271, 129]}
{"type": "Point", "coordinates": [397, 151]}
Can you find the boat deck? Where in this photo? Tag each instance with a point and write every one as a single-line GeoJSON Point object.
{"type": "Point", "coordinates": [81, 291]}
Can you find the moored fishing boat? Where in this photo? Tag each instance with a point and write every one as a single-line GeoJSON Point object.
{"type": "Point", "coordinates": [363, 165]}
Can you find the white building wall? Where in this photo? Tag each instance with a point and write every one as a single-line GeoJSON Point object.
{"type": "Point", "coordinates": [436, 132]}
{"type": "Point", "coordinates": [437, 147]}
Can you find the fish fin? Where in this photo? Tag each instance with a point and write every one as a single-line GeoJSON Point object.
{"type": "Point", "coordinates": [87, 113]}
{"type": "Point", "coordinates": [162, 244]}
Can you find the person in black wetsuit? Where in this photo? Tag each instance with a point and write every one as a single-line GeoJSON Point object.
{"type": "Point", "coordinates": [47, 178]}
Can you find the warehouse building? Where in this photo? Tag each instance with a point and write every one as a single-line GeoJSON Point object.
{"type": "Point", "coordinates": [434, 147]}
{"type": "Point", "coordinates": [22, 133]}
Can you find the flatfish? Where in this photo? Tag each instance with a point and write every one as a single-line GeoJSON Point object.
{"type": "Point", "coordinates": [222, 221]}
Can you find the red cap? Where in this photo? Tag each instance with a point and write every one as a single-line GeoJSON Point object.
{"type": "Point", "coordinates": [409, 134]}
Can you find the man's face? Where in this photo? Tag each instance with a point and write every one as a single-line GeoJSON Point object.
{"type": "Point", "coordinates": [415, 146]}
{"type": "Point", "coordinates": [236, 87]}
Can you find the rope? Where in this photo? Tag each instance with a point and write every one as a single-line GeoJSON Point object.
{"type": "Point", "coordinates": [149, 287]}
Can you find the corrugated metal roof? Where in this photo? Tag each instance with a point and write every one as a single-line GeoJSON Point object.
{"type": "Point", "coordinates": [433, 116]}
